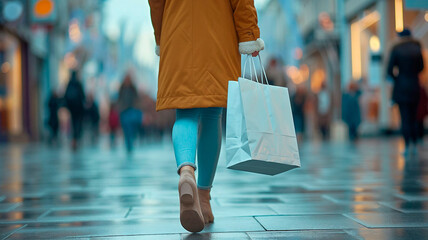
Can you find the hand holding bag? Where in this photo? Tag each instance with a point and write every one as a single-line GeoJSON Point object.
{"type": "Point", "coordinates": [260, 135]}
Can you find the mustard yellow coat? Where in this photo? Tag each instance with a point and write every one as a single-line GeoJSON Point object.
{"type": "Point", "coordinates": [199, 53]}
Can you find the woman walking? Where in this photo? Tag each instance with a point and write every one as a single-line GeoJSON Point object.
{"type": "Point", "coordinates": [199, 44]}
{"type": "Point", "coordinates": [130, 116]}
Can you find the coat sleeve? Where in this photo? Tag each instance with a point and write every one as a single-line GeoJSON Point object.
{"type": "Point", "coordinates": [156, 12]}
{"type": "Point", "coordinates": [82, 93]}
{"type": "Point", "coordinates": [245, 16]}
{"type": "Point", "coordinates": [420, 60]}
{"type": "Point", "coordinates": [391, 64]}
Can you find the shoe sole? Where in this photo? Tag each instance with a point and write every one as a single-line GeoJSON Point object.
{"type": "Point", "coordinates": [191, 221]}
{"type": "Point", "coordinates": [189, 218]}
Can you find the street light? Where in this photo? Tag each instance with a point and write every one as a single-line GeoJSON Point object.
{"type": "Point", "coordinates": [399, 22]}
{"type": "Point", "coordinates": [12, 11]}
{"type": "Point", "coordinates": [43, 8]}
{"type": "Point", "coordinates": [374, 43]}
{"type": "Point", "coordinates": [44, 11]}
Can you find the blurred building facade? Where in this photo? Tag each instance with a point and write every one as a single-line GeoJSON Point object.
{"type": "Point", "coordinates": [36, 37]}
{"type": "Point", "coordinates": [314, 41]}
{"type": "Point", "coordinates": [343, 41]}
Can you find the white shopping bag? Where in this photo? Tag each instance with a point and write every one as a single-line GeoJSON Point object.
{"type": "Point", "coordinates": [260, 135]}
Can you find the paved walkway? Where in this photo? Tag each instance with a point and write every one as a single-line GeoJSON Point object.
{"type": "Point", "coordinates": [368, 191]}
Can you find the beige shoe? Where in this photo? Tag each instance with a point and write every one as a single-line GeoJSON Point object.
{"type": "Point", "coordinates": [191, 217]}
{"type": "Point", "coordinates": [204, 198]}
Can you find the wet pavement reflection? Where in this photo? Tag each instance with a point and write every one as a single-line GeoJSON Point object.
{"type": "Point", "coordinates": [363, 191]}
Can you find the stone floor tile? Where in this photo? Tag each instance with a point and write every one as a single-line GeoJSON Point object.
{"type": "Point", "coordinates": [98, 229]}
{"type": "Point", "coordinates": [84, 207]}
{"type": "Point", "coordinates": [153, 212]}
{"type": "Point", "coordinates": [329, 208]}
{"type": "Point", "coordinates": [390, 233]}
{"type": "Point", "coordinates": [135, 227]}
{"type": "Point", "coordinates": [301, 235]}
{"type": "Point", "coordinates": [244, 201]}
{"type": "Point", "coordinates": [141, 237]}
{"type": "Point", "coordinates": [85, 214]}
{"type": "Point", "coordinates": [8, 229]}
{"type": "Point", "coordinates": [385, 220]}
{"type": "Point", "coordinates": [413, 197]}
{"type": "Point", "coordinates": [303, 197]}
{"type": "Point", "coordinates": [358, 197]}
{"type": "Point", "coordinates": [6, 207]}
{"type": "Point", "coordinates": [67, 205]}
{"type": "Point", "coordinates": [20, 216]}
{"type": "Point", "coordinates": [219, 211]}
{"type": "Point", "coordinates": [26, 195]}
{"type": "Point", "coordinates": [408, 206]}
{"type": "Point", "coordinates": [216, 236]}
{"type": "Point", "coordinates": [307, 222]}
{"type": "Point", "coordinates": [341, 188]}
{"type": "Point", "coordinates": [242, 211]}
{"type": "Point", "coordinates": [233, 224]}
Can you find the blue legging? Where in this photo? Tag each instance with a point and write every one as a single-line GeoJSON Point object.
{"type": "Point", "coordinates": [185, 137]}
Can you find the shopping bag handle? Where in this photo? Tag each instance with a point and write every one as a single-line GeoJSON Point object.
{"type": "Point", "coordinates": [263, 70]}
{"type": "Point", "coordinates": [253, 67]}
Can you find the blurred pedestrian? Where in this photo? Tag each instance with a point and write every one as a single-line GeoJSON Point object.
{"type": "Point", "coordinates": [351, 112]}
{"type": "Point", "coordinates": [92, 117]}
{"type": "Point", "coordinates": [199, 54]}
{"type": "Point", "coordinates": [404, 66]}
{"type": "Point", "coordinates": [75, 102]}
{"type": "Point", "coordinates": [298, 102]}
{"type": "Point", "coordinates": [324, 111]}
{"type": "Point", "coordinates": [275, 74]}
{"type": "Point", "coordinates": [130, 116]}
{"type": "Point", "coordinates": [54, 103]}
{"type": "Point", "coordinates": [113, 123]}
{"type": "Point", "coordinates": [421, 114]}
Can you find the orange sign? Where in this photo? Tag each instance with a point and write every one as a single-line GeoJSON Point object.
{"type": "Point", "coordinates": [43, 8]}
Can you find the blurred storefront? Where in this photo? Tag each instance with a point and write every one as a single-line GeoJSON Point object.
{"type": "Point", "coordinates": [11, 80]}
{"type": "Point", "coordinates": [367, 37]}
{"type": "Point", "coordinates": [34, 42]}
{"type": "Point", "coordinates": [16, 99]}
{"type": "Point", "coordinates": [31, 35]}
{"type": "Point", "coordinates": [343, 41]}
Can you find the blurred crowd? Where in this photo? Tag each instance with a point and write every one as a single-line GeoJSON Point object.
{"type": "Point", "coordinates": [130, 115]}
{"type": "Point", "coordinates": [315, 110]}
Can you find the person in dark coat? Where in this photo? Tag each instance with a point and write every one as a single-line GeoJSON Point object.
{"type": "Point", "coordinates": [404, 66]}
{"type": "Point", "coordinates": [92, 117]}
{"type": "Point", "coordinates": [298, 102]}
{"type": "Point", "coordinates": [351, 112]}
{"type": "Point", "coordinates": [324, 111]}
{"type": "Point", "coordinates": [54, 103]}
{"type": "Point", "coordinates": [75, 101]}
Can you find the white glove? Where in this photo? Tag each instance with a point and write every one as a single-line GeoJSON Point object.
{"type": "Point", "coordinates": [251, 46]}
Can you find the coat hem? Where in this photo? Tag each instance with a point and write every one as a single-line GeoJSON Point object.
{"type": "Point", "coordinates": [187, 102]}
